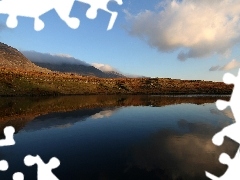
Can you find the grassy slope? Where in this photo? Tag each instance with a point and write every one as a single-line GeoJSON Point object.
{"type": "Point", "coordinates": [22, 83]}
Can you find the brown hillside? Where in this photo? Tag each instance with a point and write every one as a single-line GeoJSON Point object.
{"type": "Point", "coordinates": [15, 60]}
{"type": "Point", "coordinates": [22, 83]}
{"type": "Point", "coordinates": [20, 77]}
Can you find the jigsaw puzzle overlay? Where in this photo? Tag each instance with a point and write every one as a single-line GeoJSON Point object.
{"type": "Point", "coordinates": [3, 165]}
{"type": "Point", "coordinates": [231, 131]}
{"type": "Point", "coordinates": [35, 8]}
{"type": "Point", "coordinates": [8, 132]}
{"type": "Point", "coordinates": [44, 170]}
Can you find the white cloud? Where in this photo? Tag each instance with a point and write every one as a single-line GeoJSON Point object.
{"type": "Point", "coordinates": [104, 67]}
{"type": "Point", "coordinates": [198, 27]}
{"type": "Point", "coordinates": [62, 55]}
{"type": "Point", "coordinates": [231, 65]}
{"type": "Point", "coordinates": [52, 58]}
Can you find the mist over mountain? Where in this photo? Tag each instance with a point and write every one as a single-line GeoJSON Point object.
{"type": "Point", "coordinates": [79, 69]}
{"type": "Point", "coordinates": [38, 57]}
{"type": "Point", "coordinates": [67, 63]}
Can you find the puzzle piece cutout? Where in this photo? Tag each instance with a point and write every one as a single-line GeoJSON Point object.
{"type": "Point", "coordinates": [8, 132]}
{"type": "Point", "coordinates": [232, 131]}
{"type": "Point", "coordinates": [44, 170]}
{"type": "Point", "coordinates": [36, 8]}
{"type": "Point", "coordinates": [235, 98]}
{"type": "Point", "coordinates": [3, 165]}
{"type": "Point", "coordinates": [101, 4]}
{"type": "Point", "coordinates": [233, 172]}
{"type": "Point", "coordinates": [18, 176]}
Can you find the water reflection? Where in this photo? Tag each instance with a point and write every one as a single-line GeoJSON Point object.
{"type": "Point", "coordinates": [19, 111]}
{"type": "Point", "coordinates": [134, 137]}
{"type": "Point", "coordinates": [66, 119]}
{"type": "Point", "coordinates": [179, 155]}
{"type": "Point", "coordinates": [104, 113]}
{"type": "Point", "coordinates": [227, 112]}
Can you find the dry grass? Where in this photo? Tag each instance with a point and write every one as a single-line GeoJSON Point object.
{"type": "Point", "coordinates": [34, 83]}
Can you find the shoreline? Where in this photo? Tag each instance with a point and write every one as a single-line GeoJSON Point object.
{"type": "Point", "coordinates": [157, 95]}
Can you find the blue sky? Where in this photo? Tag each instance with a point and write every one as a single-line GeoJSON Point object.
{"type": "Point", "coordinates": [174, 39]}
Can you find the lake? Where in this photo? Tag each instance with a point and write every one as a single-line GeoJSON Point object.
{"type": "Point", "coordinates": [117, 137]}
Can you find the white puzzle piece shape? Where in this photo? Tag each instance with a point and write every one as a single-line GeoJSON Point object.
{"type": "Point", "coordinates": [3, 165]}
{"type": "Point", "coordinates": [232, 172]}
{"type": "Point", "coordinates": [235, 98]}
{"type": "Point", "coordinates": [232, 131]}
{"type": "Point", "coordinates": [8, 132]}
{"type": "Point", "coordinates": [44, 170]}
{"type": "Point", "coordinates": [18, 176]}
{"type": "Point", "coordinates": [101, 4]}
{"type": "Point", "coordinates": [36, 8]}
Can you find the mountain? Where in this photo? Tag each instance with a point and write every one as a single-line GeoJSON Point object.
{"type": "Point", "coordinates": [114, 74]}
{"type": "Point", "coordinates": [20, 77]}
{"type": "Point", "coordinates": [79, 69]}
{"type": "Point", "coordinates": [11, 58]}
{"type": "Point", "coordinates": [67, 63]}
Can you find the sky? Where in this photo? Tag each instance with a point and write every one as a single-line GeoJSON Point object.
{"type": "Point", "coordinates": [180, 39]}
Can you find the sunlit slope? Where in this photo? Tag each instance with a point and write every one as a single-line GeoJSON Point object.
{"type": "Point", "coordinates": [20, 77]}
{"type": "Point", "coordinates": [14, 83]}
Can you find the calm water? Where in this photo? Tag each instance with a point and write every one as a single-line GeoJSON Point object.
{"type": "Point", "coordinates": [117, 138]}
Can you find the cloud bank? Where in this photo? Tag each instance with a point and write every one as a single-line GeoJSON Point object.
{"type": "Point", "coordinates": [231, 65]}
{"type": "Point", "coordinates": [198, 28]}
{"type": "Point", "coordinates": [52, 58]}
{"type": "Point", "coordinates": [104, 67]}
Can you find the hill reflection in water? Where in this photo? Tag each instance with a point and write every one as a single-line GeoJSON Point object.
{"type": "Point", "coordinates": [117, 137]}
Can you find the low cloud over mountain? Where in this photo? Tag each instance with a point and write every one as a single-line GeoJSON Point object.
{"type": "Point", "coordinates": [104, 67]}
{"type": "Point", "coordinates": [67, 63]}
{"type": "Point", "coordinates": [52, 58]}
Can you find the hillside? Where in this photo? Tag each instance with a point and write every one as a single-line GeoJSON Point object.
{"type": "Point", "coordinates": [79, 69]}
{"type": "Point", "coordinates": [20, 77]}
{"type": "Point", "coordinates": [67, 64]}
{"type": "Point", "coordinates": [13, 59]}
{"type": "Point", "coordinates": [22, 83]}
